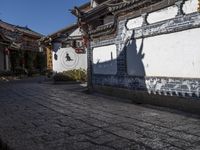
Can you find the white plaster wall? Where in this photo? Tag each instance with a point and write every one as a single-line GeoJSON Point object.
{"type": "Point", "coordinates": [134, 23]}
{"type": "Point", "coordinates": [93, 3]}
{"type": "Point", "coordinates": [170, 55]}
{"type": "Point", "coordinates": [1, 60]}
{"type": "Point", "coordinates": [163, 14]}
{"type": "Point", "coordinates": [76, 32]}
{"type": "Point", "coordinates": [104, 60]}
{"type": "Point", "coordinates": [61, 64]}
{"type": "Point", "coordinates": [190, 6]}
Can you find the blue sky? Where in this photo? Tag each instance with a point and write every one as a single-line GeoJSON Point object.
{"type": "Point", "coordinates": [43, 16]}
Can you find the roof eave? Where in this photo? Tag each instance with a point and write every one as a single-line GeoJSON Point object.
{"type": "Point", "coordinates": [66, 29]}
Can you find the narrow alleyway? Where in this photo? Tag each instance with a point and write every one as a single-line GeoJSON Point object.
{"type": "Point", "coordinates": [35, 116]}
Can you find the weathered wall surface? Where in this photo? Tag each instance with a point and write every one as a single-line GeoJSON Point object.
{"type": "Point", "coordinates": [67, 59]}
{"type": "Point", "coordinates": [161, 56]}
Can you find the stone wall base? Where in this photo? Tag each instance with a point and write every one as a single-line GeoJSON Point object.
{"type": "Point", "coordinates": [142, 97]}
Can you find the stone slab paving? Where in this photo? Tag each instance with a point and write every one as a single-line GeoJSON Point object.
{"type": "Point", "coordinates": [37, 116]}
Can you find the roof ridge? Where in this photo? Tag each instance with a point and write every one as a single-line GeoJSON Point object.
{"type": "Point", "coordinates": [64, 29]}
{"type": "Point", "coordinates": [24, 29]}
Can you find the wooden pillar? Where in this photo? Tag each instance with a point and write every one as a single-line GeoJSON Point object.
{"type": "Point", "coordinates": [199, 6]}
{"type": "Point", "coordinates": [89, 50]}
{"type": "Point", "coordinates": [6, 59]}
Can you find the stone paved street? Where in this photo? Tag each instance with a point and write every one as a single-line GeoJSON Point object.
{"type": "Point", "coordinates": [36, 116]}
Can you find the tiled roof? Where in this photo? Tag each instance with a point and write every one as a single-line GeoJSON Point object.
{"type": "Point", "coordinates": [117, 6]}
{"type": "Point", "coordinates": [64, 30]}
{"type": "Point", "coordinates": [100, 1]}
{"type": "Point", "coordinates": [131, 4]}
{"type": "Point", "coordinates": [21, 29]}
{"type": "Point", "coordinates": [60, 34]}
{"type": "Point", "coordinates": [102, 28]}
{"type": "Point", "coordinates": [28, 31]}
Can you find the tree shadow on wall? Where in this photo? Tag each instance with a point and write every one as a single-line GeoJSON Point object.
{"type": "Point", "coordinates": [105, 67]}
{"type": "Point", "coordinates": [130, 70]}
{"type": "Point", "coordinates": [132, 54]}
{"type": "Point", "coordinates": [135, 56]}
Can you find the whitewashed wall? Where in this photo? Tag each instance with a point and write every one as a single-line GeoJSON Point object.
{"type": "Point", "coordinates": [76, 32]}
{"type": "Point", "coordinates": [62, 64]}
{"type": "Point", "coordinates": [163, 14]}
{"type": "Point", "coordinates": [190, 6]}
{"type": "Point", "coordinates": [104, 60]}
{"type": "Point", "coordinates": [93, 3]}
{"type": "Point", "coordinates": [1, 60]}
{"type": "Point", "coordinates": [169, 55]}
{"type": "Point", "coordinates": [134, 23]}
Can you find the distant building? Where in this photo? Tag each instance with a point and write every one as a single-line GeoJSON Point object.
{"type": "Point", "coordinates": [65, 48]}
{"type": "Point", "coordinates": [147, 50]}
{"type": "Point", "coordinates": [19, 47]}
{"type": "Point", "coordinates": [67, 51]}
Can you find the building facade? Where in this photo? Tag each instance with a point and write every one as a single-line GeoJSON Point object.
{"type": "Point", "coordinates": [145, 50]}
{"type": "Point", "coordinates": [4, 42]}
{"type": "Point", "coordinates": [19, 47]}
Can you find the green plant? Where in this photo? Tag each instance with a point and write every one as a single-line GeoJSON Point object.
{"type": "Point", "coordinates": [77, 74]}
{"type": "Point", "coordinates": [41, 62]}
{"type": "Point", "coordinates": [6, 73]}
{"type": "Point", "coordinates": [48, 73]}
{"type": "Point", "coordinates": [34, 72]}
{"type": "Point", "coordinates": [62, 77]}
{"type": "Point", "coordinates": [71, 75]}
{"type": "Point", "coordinates": [20, 71]}
{"type": "Point", "coordinates": [29, 62]}
{"type": "Point", "coordinates": [15, 58]}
